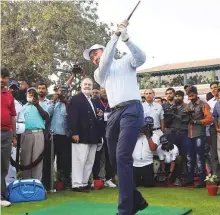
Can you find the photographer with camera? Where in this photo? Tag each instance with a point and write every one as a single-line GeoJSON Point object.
{"type": "Point", "coordinates": [179, 126]}
{"type": "Point", "coordinates": [143, 154]}
{"type": "Point", "coordinates": [200, 118]}
{"type": "Point", "coordinates": [169, 108]}
{"type": "Point", "coordinates": [62, 144]}
{"type": "Point", "coordinates": [170, 161]}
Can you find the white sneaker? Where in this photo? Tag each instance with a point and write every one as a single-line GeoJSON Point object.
{"type": "Point", "coordinates": [109, 183]}
{"type": "Point", "coordinates": [5, 203]}
{"type": "Point", "coordinates": [177, 182]}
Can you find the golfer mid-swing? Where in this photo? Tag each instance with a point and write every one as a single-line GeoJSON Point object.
{"type": "Point", "coordinates": [118, 77]}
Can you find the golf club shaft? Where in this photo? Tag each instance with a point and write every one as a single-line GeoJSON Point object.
{"type": "Point", "coordinates": [133, 11]}
{"type": "Point", "coordinates": [131, 14]}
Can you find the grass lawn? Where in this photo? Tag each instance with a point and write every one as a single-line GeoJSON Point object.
{"type": "Point", "coordinates": [197, 199]}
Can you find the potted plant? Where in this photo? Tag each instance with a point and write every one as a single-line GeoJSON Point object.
{"type": "Point", "coordinates": [211, 185]}
{"type": "Point", "coordinates": [59, 182]}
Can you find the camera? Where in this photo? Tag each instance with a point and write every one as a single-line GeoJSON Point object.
{"type": "Point", "coordinates": [77, 69]}
{"type": "Point", "coordinates": [148, 126]}
{"type": "Point", "coordinates": [170, 110]}
{"type": "Point", "coordinates": [169, 114]}
{"type": "Point", "coordinates": [186, 116]}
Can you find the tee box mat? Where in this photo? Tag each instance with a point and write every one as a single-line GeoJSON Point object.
{"type": "Point", "coordinates": [90, 208]}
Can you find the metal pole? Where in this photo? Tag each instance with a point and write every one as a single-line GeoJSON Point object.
{"type": "Point", "coordinates": [51, 161]}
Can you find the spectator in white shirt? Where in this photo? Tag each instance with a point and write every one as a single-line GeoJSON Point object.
{"type": "Point", "coordinates": [170, 160]}
{"type": "Point", "coordinates": [13, 88]}
{"type": "Point", "coordinates": [143, 155]}
{"type": "Point", "coordinates": [155, 111]}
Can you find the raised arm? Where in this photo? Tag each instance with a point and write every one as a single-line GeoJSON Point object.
{"type": "Point", "coordinates": [106, 59]}
{"type": "Point", "coordinates": [137, 57]}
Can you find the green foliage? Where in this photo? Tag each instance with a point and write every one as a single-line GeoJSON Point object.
{"type": "Point", "coordinates": [145, 82]}
{"type": "Point", "coordinates": [59, 176]}
{"type": "Point", "coordinates": [43, 37]}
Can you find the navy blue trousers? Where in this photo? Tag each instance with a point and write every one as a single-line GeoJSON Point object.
{"type": "Point", "coordinates": [122, 131]}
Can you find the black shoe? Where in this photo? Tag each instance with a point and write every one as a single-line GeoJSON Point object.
{"type": "Point", "coordinates": [187, 183]}
{"type": "Point", "coordinates": [86, 188]}
{"type": "Point", "coordinates": [76, 189]}
{"type": "Point", "coordinates": [140, 207]}
{"type": "Point", "coordinates": [199, 186]}
{"type": "Point", "coordinates": [218, 181]}
{"type": "Point", "coordinates": [80, 189]}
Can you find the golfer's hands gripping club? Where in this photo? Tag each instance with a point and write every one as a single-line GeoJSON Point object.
{"type": "Point", "coordinates": [122, 30]}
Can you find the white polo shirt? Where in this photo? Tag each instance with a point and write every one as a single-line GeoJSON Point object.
{"type": "Point", "coordinates": [168, 156]}
{"type": "Point", "coordinates": [142, 154]}
{"type": "Point", "coordinates": [212, 103]}
{"type": "Point", "coordinates": [155, 111]}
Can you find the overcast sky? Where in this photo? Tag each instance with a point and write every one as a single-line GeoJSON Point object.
{"type": "Point", "coordinates": [169, 31]}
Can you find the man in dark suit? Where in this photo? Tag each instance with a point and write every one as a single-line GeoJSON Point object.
{"type": "Point", "coordinates": [84, 120]}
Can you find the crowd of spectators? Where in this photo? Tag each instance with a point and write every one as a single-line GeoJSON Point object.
{"type": "Point", "coordinates": [180, 140]}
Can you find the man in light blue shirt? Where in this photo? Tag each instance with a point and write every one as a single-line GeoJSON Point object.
{"type": "Point", "coordinates": [118, 77]}
{"type": "Point", "coordinates": [62, 144]}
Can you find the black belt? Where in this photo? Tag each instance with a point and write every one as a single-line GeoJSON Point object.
{"type": "Point", "coordinates": [121, 105]}
{"type": "Point", "coordinates": [154, 129]}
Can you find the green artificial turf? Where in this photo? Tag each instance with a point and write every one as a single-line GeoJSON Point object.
{"type": "Point", "coordinates": [92, 208]}
{"type": "Point", "coordinates": [197, 199]}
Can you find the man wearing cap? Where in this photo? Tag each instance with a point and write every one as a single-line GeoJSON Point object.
{"type": "Point", "coordinates": [170, 161]}
{"type": "Point", "coordinates": [13, 88]}
{"type": "Point", "coordinates": [143, 154]}
{"type": "Point", "coordinates": [32, 140]}
{"type": "Point", "coordinates": [126, 117]}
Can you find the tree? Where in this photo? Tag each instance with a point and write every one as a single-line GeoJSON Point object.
{"type": "Point", "coordinates": [43, 37]}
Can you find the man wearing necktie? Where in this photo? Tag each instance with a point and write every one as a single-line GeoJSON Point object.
{"type": "Point", "coordinates": [84, 123]}
{"type": "Point", "coordinates": [119, 79]}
